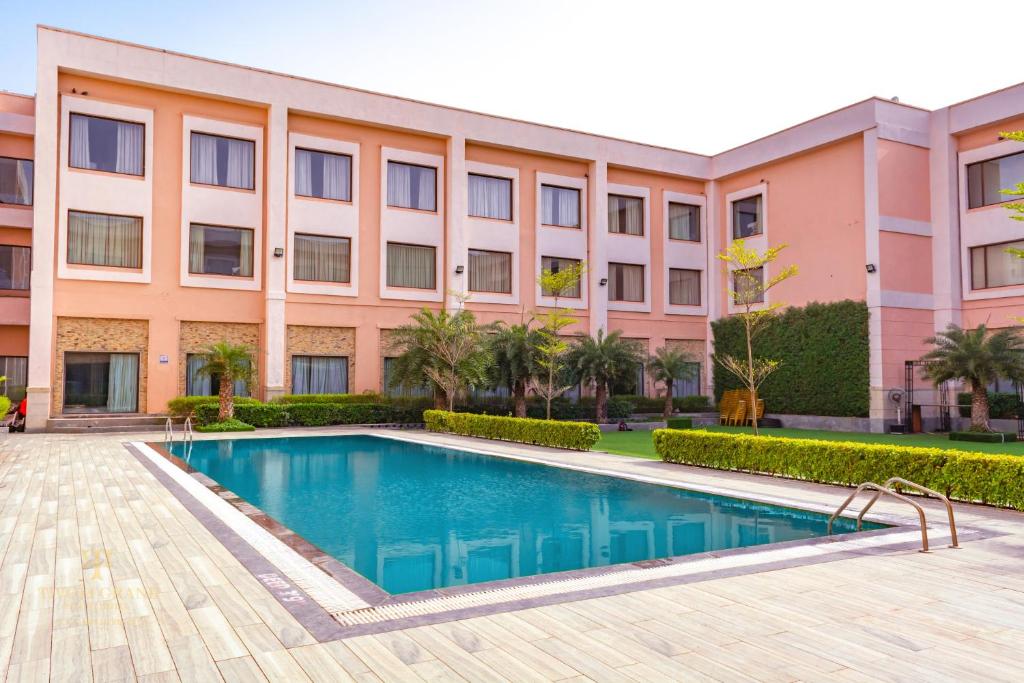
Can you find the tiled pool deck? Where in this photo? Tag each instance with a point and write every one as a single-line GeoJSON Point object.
{"type": "Point", "coordinates": [106, 575]}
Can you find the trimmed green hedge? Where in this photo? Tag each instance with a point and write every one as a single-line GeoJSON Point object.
{"type": "Point", "coordinates": [312, 414]}
{"type": "Point", "coordinates": [579, 436]}
{"type": "Point", "coordinates": [226, 426]}
{"type": "Point", "coordinates": [1001, 406]}
{"type": "Point", "coordinates": [680, 423]}
{"type": "Point", "coordinates": [970, 477]}
{"type": "Point", "coordinates": [984, 437]}
{"type": "Point", "coordinates": [824, 353]}
{"type": "Point", "coordinates": [656, 404]}
{"type": "Point", "coordinates": [345, 399]}
{"type": "Point", "coordinates": [691, 404]}
{"type": "Point", "coordinates": [186, 405]}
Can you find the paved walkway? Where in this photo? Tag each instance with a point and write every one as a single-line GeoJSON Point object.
{"type": "Point", "coordinates": [105, 576]}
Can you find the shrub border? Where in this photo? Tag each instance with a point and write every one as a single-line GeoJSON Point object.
{"type": "Point", "coordinates": [577, 436]}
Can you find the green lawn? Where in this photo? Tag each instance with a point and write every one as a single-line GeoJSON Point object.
{"type": "Point", "coordinates": [640, 444]}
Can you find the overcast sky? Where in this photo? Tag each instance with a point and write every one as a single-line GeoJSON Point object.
{"type": "Point", "coordinates": [699, 76]}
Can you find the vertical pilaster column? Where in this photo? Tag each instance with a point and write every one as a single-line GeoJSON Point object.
{"type": "Point", "coordinates": [44, 212]}
{"type": "Point", "coordinates": [277, 237]}
{"type": "Point", "coordinates": [945, 213]}
{"type": "Point", "coordinates": [715, 293]}
{"type": "Point", "coordinates": [872, 252]}
{"type": "Point", "coordinates": [455, 223]}
{"type": "Point", "coordinates": [597, 244]}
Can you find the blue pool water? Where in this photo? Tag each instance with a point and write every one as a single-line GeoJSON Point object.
{"type": "Point", "coordinates": [410, 517]}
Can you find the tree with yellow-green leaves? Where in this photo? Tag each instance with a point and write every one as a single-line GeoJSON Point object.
{"type": "Point", "coordinates": [747, 267]}
{"type": "Point", "coordinates": [551, 348]}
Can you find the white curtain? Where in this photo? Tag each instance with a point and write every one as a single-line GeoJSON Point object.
{"type": "Point", "coordinates": [21, 266]}
{"type": "Point", "coordinates": [746, 287]}
{"type": "Point", "coordinates": [245, 253]}
{"type": "Point", "coordinates": [626, 282]}
{"type": "Point", "coordinates": [427, 186]}
{"type": "Point", "coordinates": [129, 148]}
{"type": "Point", "coordinates": [412, 187]}
{"type": "Point", "coordinates": [197, 249]}
{"type": "Point", "coordinates": [322, 259]}
{"type": "Point", "coordinates": [1000, 268]}
{"type": "Point", "coordinates": [196, 383]}
{"type": "Point", "coordinates": [15, 181]}
{"type": "Point", "coordinates": [556, 265]}
{"type": "Point", "coordinates": [560, 206]}
{"type": "Point", "coordinates": [15, 369]}
{"type": "Point", "coordinates": [123, 386]}
{"type": "Point", "coordinates": [683, 222]}
{"type": "Point", "coordinates": [240, 163]}
{"type": "Point", "coordinates": [204, 159]}
{"type": "Point", "coordinates": [625, 215]}
{"type": "Point", "coordinates": [490, 197]}
{"type": "Point", "coordinates": [303, 172]}
{"type": "Point", "coordinates": [319, 375]}
{"type": "Point", "coordinates": [24, 189]}
{"type": "Point", "coordinates": [337, 177]}
{"type": "Point", "coordinates": [411, 266]}
{"type": "Point", "coordinates": [399, 185]}
{"type": "Point", "coordinates": [102, 240]}
{"type": "Point", "coordinates": [688, 384]}
{"type": "Point", "coordinates": [80, 157]}
{"type": "Point", "coordinates": [684, 287]}
{"type": "Point", "coordinates": [490, 271]}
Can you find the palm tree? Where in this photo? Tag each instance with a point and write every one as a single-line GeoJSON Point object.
{"type": "Point", "coordinates": [603, 360]}
{"type": "Point", "coordinates": [666, 366]}
{"type": "Point", "coordinates": [977, 357]}
{"type": "Point", "coordinates": [229, 363]}
{"type": "Point", "coordinates": [444, 350]}
{"type": "Point", "coordinates": [514, 353]}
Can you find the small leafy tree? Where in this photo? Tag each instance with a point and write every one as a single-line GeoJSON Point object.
{"type": "Point", "coordinates": [230, 363]}
{"type": "Point", "coordinates": [551, 348]}
{"type": "Point", "coordinates": [976, 357]}
{"type": "Point", "coordinates": [603, 359]}
{"type": "Point", "coordinates": [668, 365]}
{"type": "Point", "coordinates": [747, 268]}
{"type": "Point", "coordinates": [446, 350]}
{"type": "Point", "coordinates": [515, 353]}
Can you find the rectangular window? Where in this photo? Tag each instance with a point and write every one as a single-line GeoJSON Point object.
{"type": "Point", "coordinates": [625, 215]}
{"type": "Point", "coordinates": [15, 369]}
{"type": "Point", "coordinates": [985, 179]}
{"type": "Point", "coordinates": [319, 375]}
{"type": "Point", "coordinates": [98, 239]}
{"type": "Point", "coordinates": [320, 258]}
{"type": "Point", "coordinates": [217, 250]}
{"type": "Point", "coordinates": [100, 144]}
{"type": "Point", "coordinates": [198, 383]}
{"type": "Point", "coordinates": [557, 265]}
{"type": "Point", "coordinates": [683, 287]}
{"type": "Point", "coordinates": [490, 271]}
{"type": "Point", "coordinates": [689, 383]}
{"type": "Point", "coordinates": [15, 266]}
{"type": "Point", "coordinates": [683, 222]}
{"type": "Point", "coordinates": [101, 382]}
{"type": "Point", "coordinates": [15, 181]}
{"type": "Point", "coordinates": [323, 175]}
{"type": "Point", "coordinates": [490, 197]}
{"type": "Point", "coordinates": [625, 282]}
{"type": "Point", "coordinates": [223, 161]}
{"type": "Point", "coordinates": [746, 217]}
{"type": "Point", "coordinates": [411, 265]}
{"type": "Point", "coordinates": [401, 390]}
{"type": "Point", "coordinates": [748, 286]}
{"type": "Point", "coordinates": [560, 206]}
{"type": "Point", "coordinates": [992, 266]}
{"type": "Point", "coordinates": [412, 187]}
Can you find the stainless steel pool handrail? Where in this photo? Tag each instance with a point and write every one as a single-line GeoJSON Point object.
{"type": "Point", "coordinates": [168, 431]}
{"type": "Point", "coordinates": [921, 489]}
{"type": "Point", "coordinates": [186, 431]}
{"type": "Point", "coordinates": [879, 491]}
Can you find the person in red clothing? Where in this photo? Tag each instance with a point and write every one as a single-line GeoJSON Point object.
{"type": "Point", "coordinates": [18, 425]}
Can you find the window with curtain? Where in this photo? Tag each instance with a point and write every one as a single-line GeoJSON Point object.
{"type": "Point", "coordinates": [746, 217]}
{"type": "Point", "coordinates": [625, 215]}
{"type": "Point", "coordinates": [223, 161]}
{"type": "Point", "coordinates": [218, 250]}
{"type": "Point", "coordinates": [991, 266]}
{"type": "Point", "coordinates": [625, 282]}
{"type": "Point", "coordinates": [99, 239]}
{"type": "Point", "coordinates": [411, 186]}
{"type": "Point", "coordinates": [101, 144]}
{"type": "Point", "coordinates": [101, 382]}
{"type": "Point", "coordinates": [202, 384]}
{"type": "Point", "coordinates": [747, 290]}
{"type": "Point", "coordinates": [324, 175]}
{"type": "Point", "coordinates": [557, 265]}
{"type": "Point", "coordinates": [986, 178]}
{"type": "Point", "coordinates": [490, 271]}
{"type": "Point", "coordinates": [683, 287]}
{"type": "Point", "coordinates": [490, 197]}
{"type": "Point", "coordinates": [683, 222]}
{"type": "Point", "coordinates": [15, 266]}
{"type": "Point", "coordinates": [15, 369]}
{"type": "Point", "coordinates": [560, 206]}
{"type": "Point", "coordinates": [688, 384]}
{"type": "Point", "coordinates": [15, 181]}
{"type": "Point", "coordinates": [320, 258]}
{"type": "Point", "coordinates": [402, 390]}
{"type": "Point", "coordinates": [411, 265]}
{"type": "Point", "coordinates": [319, 375]}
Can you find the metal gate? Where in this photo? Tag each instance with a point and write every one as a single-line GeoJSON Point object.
{"type": "Point", "coordinates": [943, 390]}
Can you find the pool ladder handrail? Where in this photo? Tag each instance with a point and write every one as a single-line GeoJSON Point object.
{"type": "Point", "coordinates": [187, 435]}
{"type": "Point", "coordinates": [886, 489]}
{"type": "Point", "coordinates": [168, 431]}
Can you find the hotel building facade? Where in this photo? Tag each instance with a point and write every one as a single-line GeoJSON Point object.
{"type": "Point", "coordinates": [152, 203]}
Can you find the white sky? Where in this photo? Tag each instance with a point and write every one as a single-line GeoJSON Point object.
{"type": "Point", "coordinates": [699, 76]}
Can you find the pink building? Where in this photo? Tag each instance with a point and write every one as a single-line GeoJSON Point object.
{"type": "Point", "coordinates": [179, 201]}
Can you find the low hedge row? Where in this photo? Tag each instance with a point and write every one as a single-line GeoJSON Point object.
{"type": "Point", "coordinates": [969, 477]}
{"type": "Point", "coordinates": [656, 404]}
{"type": "Point", "coordinates": [226, 426]}
{"type": "Point", "coordinates": [579, 436]}
{"type": "Point", "coordinates": [186, 405]}
{"type": "Point", "coordinates": [344, 399]}
{"type": "Point", "coordinates": [311, 414]}
{"type": "Point", "coordinates": [1001, 406]}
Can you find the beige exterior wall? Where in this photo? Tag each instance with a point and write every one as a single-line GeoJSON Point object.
{"type": "Point", "coordinates": [101, 335]}
{"type": "Point", "coordinates": [307, 340]}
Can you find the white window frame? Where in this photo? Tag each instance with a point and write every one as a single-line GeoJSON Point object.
{"type": "Point", "coordinates": [758, 242]}
{"type": "Point", "coordinates": [554, 240]}
{"type": "Point", "coordinates": [494, 234]}
{"type": "Point", "coordinates": [686, 254]}
{"type": "Point", "coordinates": [632, 249]}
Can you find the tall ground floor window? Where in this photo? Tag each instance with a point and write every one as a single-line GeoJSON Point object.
{"type": "Point", "coordinates": [319, 375]}
{"type": "Point", "coordinates": [101, 382]}
{"type": "Point", "coordinates": [689, 383]}
{"type": "Point", "coordinates": [15, 369]}
{"type": "Point", "coordinates": [402, 390]}
{"type": "Point", "coordinates": [201, 384]}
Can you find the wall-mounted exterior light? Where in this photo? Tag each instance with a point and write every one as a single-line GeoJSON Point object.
{"type": "Point", "coordinates": [870, 268]}
{"type": "Point", "coordinates": [604, 281]}
{"type": "Point", "coordinates": [459, 270]}
{"type": "Point", "coordinates": [278, 252]}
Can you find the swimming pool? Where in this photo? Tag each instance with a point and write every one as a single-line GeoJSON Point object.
{"type": "Point", "coordinates": [411, 517]}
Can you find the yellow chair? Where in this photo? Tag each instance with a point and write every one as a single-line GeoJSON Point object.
{"type": "Point", "coordinates": [739, 413]}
